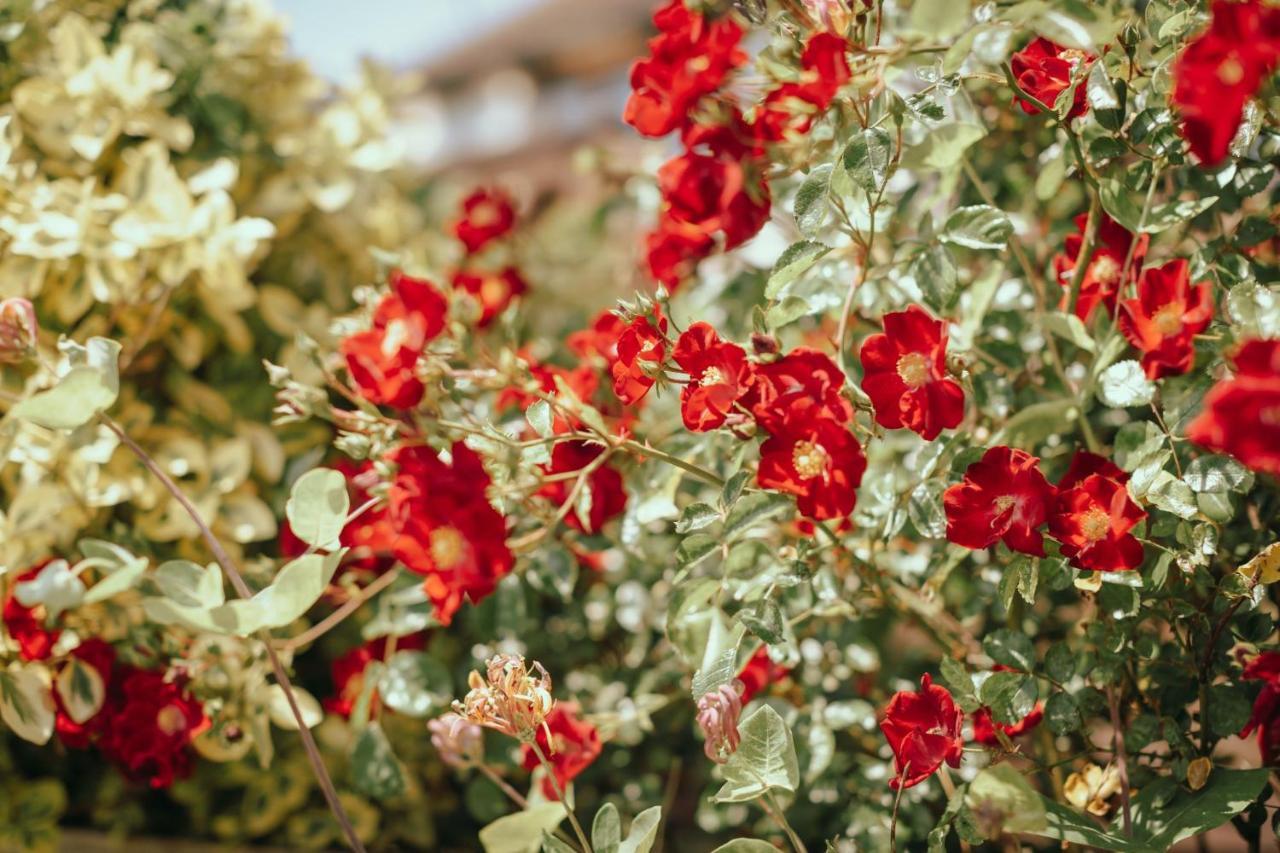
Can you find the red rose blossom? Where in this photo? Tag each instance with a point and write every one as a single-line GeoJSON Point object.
{"type": "Point", "coordinates": [688, 59]}
{"type": "Point", "coordinates": [674, 249]}
{"type": "Point", "coordinates": [599, 340]}
{"type": "Point", "coordinates": [1101, 282]}
{"type": "Point", "coordinates": [717, 184]}
{"type": "Point", "coordinates": [26, 625]}
{"type": "Point", "coordinates": [719, 375]}
{"type": "Point", "coordinates": [101, 656]}
{"type": "Point", "coordinates": [802, 375]}
{"type": "Point", "coordinates": [923, 730]}
{"type": "Point", "coordinates": [1220, 69]}
{"type": "Point", "coordinates": [1167, 314]}
{"type": "Point", "coordinates": [446, 529]}
{"type": "Point", "coordinates": [493, 290]}
{"type": "Point", "coordinates": [758, 673]}
{"type": "Point", "coordinates": [1045, 70]}
{"type": "Point", "coordinates": [1242, 414]}
{"type": "Point", "coordinates": [487, 214]}
{"type": "Point", "coordinates": [1084, 463]}
{"type": "Point", "coordinates": [572, 747]}
{"type": "Point", "coordinates": [641, 351]}
{"type": "Point", "coordinates": [608, 498]}
{"type": "Point", "coordinates": [383, 359]}
{"type": "Point", "coordinates": [1003, 497]}
{"type": "Point", "coordinates": [815, 458]}
{"type": "Point", "coordinates": [147, 726]}
{"type": "Point", "coordinates": [984, 728]}
{"type": "Point", "coordinates": [905, 374]}
{"type": "Point", "coordinates": [1092, 520]}
{"type": "Point", "coordinates": [347, 671]}
{"type": "Point", "coordinates": [1265, 667]}
{"type": "Point", "coordinates": [791, 107]}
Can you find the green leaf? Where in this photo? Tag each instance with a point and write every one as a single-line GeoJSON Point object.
{"type": "Point", "coordinates": [693, 549]}
{"type": "Point", "coordinates": [1218, 473]}
{"type": "Point", "coordinates": [1062, 823]}
{"type": "Point", "coordinates": [81, 689]}
{"type": "Point", "coordinates": [810, 206]}
{"type": "Point", "coordinates": [1062, 713]}
{"type": "Point", "coordinates": [1172, 495]}
{"type": "Point", "coordinates": [978, 226]}
{"type": "Point", "coordinates": [414, 683]}
{"type": "Point", "coordinates": [190, 585]}
{"type": "Point", "coordinates": [938, 835]}
{"type": "Point", "coordinates": [551, 844]}
{"type": "Point", "coordinates": [746, 845]}
{"type": "Point", "coordinates": [1229, 709]}
{"type": "Point", "coordinates": [793, 262]}
{"type": "Point", "coordinates": [866, 159]}
{"type": "Point", "coordinates": [1124, 384]}
{"type": "Point", "coordinates": [1070, 328]}
{"type": "Point", "coordinates": [522, 832]}
{"type": "Point", "coordinates": [1119, 204]}
{"type": "Point", "coordinates": [1060, 662]}
{"type": "Point", "coordinates": [643, 833]}
{"type": "Point", "coordinates": [765, 760]}
{"type": "Point", "coordinates": [1009, 695]}
{"type": "Point", "coordinates": [696, 517]}
{"type": "Point", "coordinates": [606, 829]}
{"type": "Point", "coordinates": [1003, 801]}
{"type": "Point", "coordinates": [540, 418]}
{"type": "Point", "coordinates": [55, 587]}
{"type": "Point", "coordinates": [940, 19]}
{"type": "Point", "coordinates": [753, 508]}
{"type": "Point", "coordinates": [375, 772]}
{"type": "Point", "coordinates": [926, 511]}
{"type": "Point", "coordinates": [317, 507]}
{"type": "Point", "coordinates": [934, 271]}
{"type": "Point", "coordinates": [943, 147]}
{"type": "Point", "coordinates": [1103, 98]}
{"type": "Point", "coordinates": [956, 677]}
{"type": "Point", "coordinates": [765, 620]}
{"type": "Point", "coordinates": [26, 706]}
{"type": "Point", "coordinates": [732, 490]}
{"type": "Point", "coordinates": [1011, 648]}
{"type": "Point", "coordinates": [1254, 310]}
{"type": "Point", "coordinates": [87, 385]}
{"type": "Point", "coordinates": [1227, 793]}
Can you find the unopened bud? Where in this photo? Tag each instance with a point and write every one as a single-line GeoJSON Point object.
{"type": "Point", "coordinates": [764, 344]}
{"type": "Point", "coordinates": [17, 329]}
{"type": "Point", "coordinates": [718, 715]}
{"type": "Point", "coordinates": [459, 741]}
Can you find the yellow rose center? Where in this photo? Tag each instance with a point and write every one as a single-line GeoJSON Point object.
{"type": "Point", "coordinates": [171, 720]}
{"type": "Point", "coordinates": [447, 547]}
{"type": "Point", "coordinates": [1004, 502]}
{"type": "Point", "coordinates": [1074, 56]}
{"type": "Point", "coordinates": [1096, 524]}
{"type": "Point", "coordinates": [493, 289]}
{"type": "Point", "coordinates": [394, 336]}
{"type": "Point", "coordinates": [809, 459]}
{"type": "Point", "coordinates": [1105, 269]}
{"type": "Point", "coordinates": [711, 376]}
{"type": "Point", "coordinates": [484, 214]}
{"type": "Point", "coordinates": [1231, 72]}
{"type": "Point", "coordinates": [1168, 320]}
{"type": "Point", "coordinates": [914, 369]}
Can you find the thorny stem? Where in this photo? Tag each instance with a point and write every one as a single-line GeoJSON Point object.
{"type": "Point", "coordinates": [242, 589]}
{"type": "Point", "coordinates": [1122, 764]}
{"type": "Point", "coordinates": [555, 783]}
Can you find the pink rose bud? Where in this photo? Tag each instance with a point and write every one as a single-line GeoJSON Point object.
{"type": "Point", "coordinates": [17, 329]}
{"type": "Point", "coordinates": [718, 715]}
{"type": "Point", "coordinates": [459, 741]}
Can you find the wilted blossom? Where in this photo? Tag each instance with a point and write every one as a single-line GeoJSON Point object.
{"type": "Point", "coordinates": [512, 697]}
{"type": "Point", "coordinates": [718, 715]}
{"type": "Point", "coordinates": [17, 329]}
{"type": "Point", "coordinates": [459, 741]}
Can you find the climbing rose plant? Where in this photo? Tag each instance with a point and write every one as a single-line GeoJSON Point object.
{"type": "Point", "coordinates": [923, 494]}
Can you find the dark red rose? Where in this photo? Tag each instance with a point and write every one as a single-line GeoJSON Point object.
{"type": "Point", "coordinates": [1167, 314]}
{"type": "Point", "coordinates": [26, 625]}
{"type": "Point", "coordinates": [815, 458]}
{"type": "Point", "coordinates": [1003, 497]}
{"type": "Point", "coordinates": [1242, 414]}
{"type": "Point", "coordinates": [758, 673]}
{"type": "Point", "coordinates": [147, 726]}
{"type": "Point", "coordinates": [1045, 70]}
{"type": "Point", "coordinates": [1220, 69]}
{"type": "Point", "coordinates": [984, 728]}
{"type": "Point", "coordinates": [604, 484]}
{"type": "Point", "coordinates": [641, 351]}
{"type": "Point", "coordinates": [446, 529]}
{"type": "Point", "coordinates": [923, 730]}
{"type": "Point", "coordinates": [1084, 463]}
{"type": "Point", "coordinates": [674, 249]}
{"type": "Point", "coordinates": [487, 214]}
{"type": "Point", "coordinates": [572, 747]}
{"type": "Point", "coordinates": [1092, 520]}
{"type": "Point", "coordinates": [493, 290]}
{"type": "Point", "coordinates": [719, 375]}
{"type": "Point", "coordinates": [717, 184]}
{"type": "Point", "coordinates": [905, 375]}
{"type": "Point", "coordinates": [1265, 667]}
{"type": "Point", "coordinates": [1101, 280]}
{"type": "Point", "coordinates": [801, 375]}
{"type": "Point", "coordinates": [382, 360]}
{"type": "Point", "coordinates": [791, 107]}
{"type": "Point", "coordinates": [688, 59]}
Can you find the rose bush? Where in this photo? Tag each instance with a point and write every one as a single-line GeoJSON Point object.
{"type": "Point", "coordinates": [922, 495]}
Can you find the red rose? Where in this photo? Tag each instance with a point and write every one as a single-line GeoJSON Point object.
{"type": "Point", "coordinates": [717, 184]}
{"type": "Point", "coordinates": [1220, 69]}
{"type": "Point", "coordinates": [101, 656]}
{"type": "Point", "coordinates": [923, 729]}
{"type": "Point", "coordinates": [1242, 414]}
{"type": "Point", "coordinates": [446, 529]}
{"type": "Point", "coordinates": [758, 673]}
{"type": "Point", "coordinates": [1045, 70]}
{"type": "Point", "coordinates": [815, 458]}
{"type": "Point", "coordinates": [347, 671]}
{"type": "Point", "coordinates": [604, 484]}
{"type": "Point", "coordinates": [984, 728]}
{"type": "Point", "coordinates": [1003, 497]}
{"type": "Point", "coordinates": [487, 214]}
{"type": "Point", "coordinates": [719, 375]}
{"type": "Point", "coordinates": [1084, 463]}
{"type": "Point", "coordinates": [688, 59]}
{"type": "Point", "coordinates": [599, 340]}
{"type": "Point", "coordinates": [905, 374]}
{"type": "Point", "coordinates": [1092, 520]}
{"type": "Point", "coordinates": [1101, 282]}
{"type": "Point", "coordinates": [674, 249]}
{"type": "Point", "coordinates": [25, 625]}
{"type": "Point", "coordinates": [1265, 718]}
{"type": "Point", "coordinates": [493, 290]}
{"type": "Point", "coordinates": [803, 374]}
{"type": "Point", "coordinates": [383, 359]}
{"type": "Point", "coordinates": [791, 107]}
{"type": "Point", "coordinates": [147, 727]}
{"type": "Point", "coordinates": [1164, 318]}
{"type": "Point", "coordinates": [641, 350]}
{"type": "Point", "coordinates": [572, 747]}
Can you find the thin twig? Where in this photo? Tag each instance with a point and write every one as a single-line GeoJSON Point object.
{"type": "Point", "coordinates": [555, 783]}
{"type": "Point", "coordinates": [348, 607]}
{"type": "Point", "coordinates": [897, 800]}
{"type": "Point", "coordinates": [1122, 764]}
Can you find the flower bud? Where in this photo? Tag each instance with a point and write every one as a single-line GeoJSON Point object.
{"type": "Point", "coordinates": [764, 344]}
{"type": "Point", "coordinates": [718, 715]}
{"type": "Point", "coordinates": [17, 329]}
{"type": "Point", "coordinates": [460, 742]}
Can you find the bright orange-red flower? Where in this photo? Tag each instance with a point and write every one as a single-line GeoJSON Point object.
{"type": "Point", "coordinates": [792, 107]}
{"type": "Point", "coordinates": [758, 673]}
{"type": "Point", "coordinates": [673, 250]}
{"type": "Point", "coordinates": [1045, 70]}
{"type": "Point", "coordinates": [1101, 280]}
{"type": "Point", "coordinates": [573, 746]}
{"type": "Point", "coordinates": [719, 375]}
{"type": "Point", "coordinates": [26, 625]}
{"type": "Point", "coordinates": [813, 457]}
{"type": "Point", "coordinates": [487, 214]}
{"type": "Point", "coordinates": [923, 730]}
{"type": "Point", "coordinates": [383, 359]}
{"type": "Point", "coordinates": [347, 671]}
{"type": "Point", "coordinates": [1242, 414]}
{"type": "Point", "coordinates": [1265, 667]}
{"type": "Point", "coordinates": [718, 183]}
{"type": "Point", "coordinates": [1092, 520]}
{"type": "Point", "coordinates": [1167, 314]}
{"type": "Point", "coordinates": [642, 348]}
{"type": "Point", "coordinates": [493, 290]}
{"type": "Point", "coordinates": [1003, 497]}
{"type": "Point", "coordinates": [905, 375]}
{"type": "Point", "coordinates": [984, 728]}
{"type": "Point", "coordinates": [801, 376]}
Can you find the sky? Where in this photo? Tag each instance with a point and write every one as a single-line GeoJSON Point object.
{"type": "Point", "coordinates": [334, 34]}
